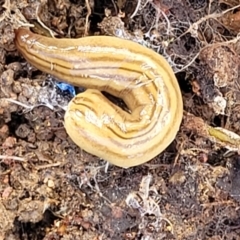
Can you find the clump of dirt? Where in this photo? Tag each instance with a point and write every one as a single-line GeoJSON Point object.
{"type": "Point", "coordinates": [51, 189]}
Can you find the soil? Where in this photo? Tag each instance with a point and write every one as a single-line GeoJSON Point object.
{"type": "Point", "coordinates": [51, 189]}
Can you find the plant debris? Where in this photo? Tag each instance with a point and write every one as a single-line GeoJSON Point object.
{"type": "Point", "coordinates": [51, 189]}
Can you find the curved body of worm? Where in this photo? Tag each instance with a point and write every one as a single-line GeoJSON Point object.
{"type": "Point", "coordinates": [127, 70]}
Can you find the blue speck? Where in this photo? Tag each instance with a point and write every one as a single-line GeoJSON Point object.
{"type": "Point", "coordinates": [67, 87]}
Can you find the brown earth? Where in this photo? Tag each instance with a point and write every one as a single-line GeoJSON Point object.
{"type": "Point", "coordinates": [51, 189]}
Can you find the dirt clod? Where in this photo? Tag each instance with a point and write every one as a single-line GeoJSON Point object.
{"type": "Point", "coordinates": [51, 189]}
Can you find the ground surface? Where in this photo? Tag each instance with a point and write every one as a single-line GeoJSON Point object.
{"type": "Point", "coordinates": [51, 189]}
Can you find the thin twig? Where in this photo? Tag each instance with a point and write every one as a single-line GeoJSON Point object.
{"type": "Point", "coordinates": [203, 19]}
{"type": "Point", "coordinates": [136, 9]}
{"type": "Point", "coordinates": [168, 22]}
{"type": "Point", "coordinates": [30, 108]}
{"type": "Point", "coordinates": [42, 24]}
{"type": "Point", "coordinates": [226, 43]}
{"type": "Point", "coordinates": [12, 158]}
{"type": "Point", "coordinates": [87, 17]}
